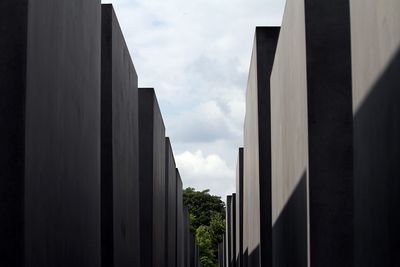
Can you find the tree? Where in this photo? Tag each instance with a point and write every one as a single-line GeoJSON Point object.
{"type": "Point", "coordinates": [207, 220]}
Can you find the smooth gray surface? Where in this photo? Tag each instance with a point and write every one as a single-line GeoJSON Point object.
{"type": "Point", "coordinates": [375, 36]}
{"type": "Point", "coordinates": [257, 239]}
{"type": "Point", "coordinates": [152, 180]}
{"type": "Point", "coordinates": [62, 133]}
{"type": "Point", "coordinates": [171, 196]}
{"type": "Point", "coordinates": [119, 148]}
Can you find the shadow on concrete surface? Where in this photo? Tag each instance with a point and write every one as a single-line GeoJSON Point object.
{"type": "Point", "coordinates": [377, 172]}
{"type": "Point", "coordinates": [289, 233]}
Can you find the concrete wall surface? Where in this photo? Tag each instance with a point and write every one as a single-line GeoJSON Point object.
{"type": "Point", "coordinates": [228, 230]}
{"type": "Point", "coordinates": [239, 209]}
{"type": "Point", "coordinates": [62, 132]}
{"type": "Point", "coordinates": [171, 194]}
{"type": "Point", "coordinates": [257, 155]}
{"type": "Point", "coordinates": [180, 241]}
{"type": "Point", "coordinates": [289, 141]}
{"type": "Point", "coordinates": [375, 38]}
{"type": "Point", "coordinates": [119, 148]}
{"type": "Point", "coordinates": [152, 179]}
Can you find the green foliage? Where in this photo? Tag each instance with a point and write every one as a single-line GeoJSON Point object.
{"type": "Point", "coordinates": [207, 220]}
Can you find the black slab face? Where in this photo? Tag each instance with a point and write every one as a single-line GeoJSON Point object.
{"type": "Point", "coordinates": [228, 231]}
{"type": "Point", "coordinates": [239, 209]}
{"type": "Point", "coordinates": [119, 148]}
{"type": "Point", "coordinates": [170, 204]}
{"type": "Point", "coordinates": [233, 230]}
{"type": "Point", "coordinates": [257, 150]}
{"type": "Point", "coordinates": [152, 180]}
{"type": "Point", "coordinates": [330, 132]}
{"type": "Point", "coordinates": [50, 120]}
{"type": "Point", "coordinates": [13, 45]}
{"type": "Point", "coordinates": [180, 241]}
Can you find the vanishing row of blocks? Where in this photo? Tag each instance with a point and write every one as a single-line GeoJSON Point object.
{"type": "Point", "coordinates": [318, 179]}
{"type": "Point", "coordinates": [87, 177]}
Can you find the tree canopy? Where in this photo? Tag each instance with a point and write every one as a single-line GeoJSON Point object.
{"type": "Point", "coordinates": [207, 220]}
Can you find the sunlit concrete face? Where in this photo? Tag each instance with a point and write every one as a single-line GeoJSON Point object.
{"type": "Point", "coordinates": [257, 151]}
{"type": "Point", "coordinates": [119, 148]}
{"type": "Point", "coordinates": [50, 113]}
{"type": "Point", "coordinates": [152, 179]}
{"type": "Point", "coordinates": [375, 38]}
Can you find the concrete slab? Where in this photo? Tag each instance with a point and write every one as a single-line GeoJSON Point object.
{"type": "Point", "coordinates": [119, 148]}
{"type": "Point", "coordinates": [152, 180]}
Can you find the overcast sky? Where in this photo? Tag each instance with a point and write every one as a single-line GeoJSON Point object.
{"type": "Point", "coordinates": [196, 54]}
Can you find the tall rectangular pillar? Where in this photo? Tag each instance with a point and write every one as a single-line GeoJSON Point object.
{"type": "Point", "coordinates": [50, 138]}
{"type": "Point", "coordinates": [120, 213]}
{"type": "Point", "coordinates": [257, 232]}
{"type": "Point", "coordinates": [239, 209]}
{"type": "Point", "coordinates": [312, 145]}
{"type": "Point", "coordinates": [228, 231]}
{"type": "Point", "coordinates": [152, 180]}
{"type": "Point", "coordinates": [170, 204]}
{"type": "Point", "coordinates": [180, 241]}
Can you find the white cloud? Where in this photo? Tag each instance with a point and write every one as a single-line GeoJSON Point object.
{"type": "Point", "coordinates": [196, 55]}
{"type": "Point", "coordinates": [206, 172]}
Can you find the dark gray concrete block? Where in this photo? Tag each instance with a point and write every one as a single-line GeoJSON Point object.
{"type": "Point", "coordinates": [170, 204]}
{"type": "Point", "coordinates": [119, 148]}
{"type": "Point", "coordinates": [152, 180]}
{"type": "Point", "coordinates": [312, 131]}
{"type": "Point", "coordinates": [180, 241]}
{"type": "Point", "coordinates": [228, 231]}
{"type": "Point", "coordinates": [257, 231]}
{"type": "Point", "coordinates": [233, 230]}
{"type": "Point", "coordinates": [239, 209]}
{"type": "Point", "coordinates": [375, 38]}
{"type": "Point", "coordinates": [50, 140]}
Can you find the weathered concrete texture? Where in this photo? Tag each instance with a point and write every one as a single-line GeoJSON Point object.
{"type": "Point", "coordinates": [257, 156]}
{"type": "Point", "coordinates": [180, 241]}
{"type": "Point", "coordinates": [170, 204]}
{"type": "Point", "coordinates": [50, 140]}
{"type": "Point", "coordinates": [375, 38]}
{"type": "Point", "coordinates": [119, 148]}
{"type": "Point", "coordinates": [152, 180]}
{"type": "Point", "coordinates": [311, 113]}
{"type": "Point", "coordinates": [239, 209]}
